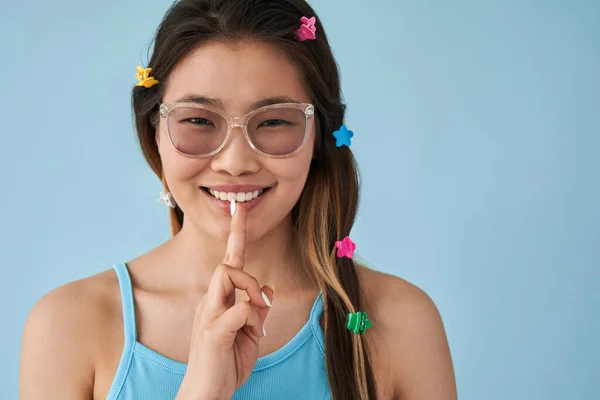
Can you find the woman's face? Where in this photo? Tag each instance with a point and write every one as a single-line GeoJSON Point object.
{"type": "Point", "coordinates": [238, 77]}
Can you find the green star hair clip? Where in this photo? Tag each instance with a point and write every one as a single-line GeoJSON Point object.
{"type": "Point", "coordinates": [358, 322]}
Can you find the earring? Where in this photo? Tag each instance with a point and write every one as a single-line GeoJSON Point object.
{"type": "Point", "coordinates": [167, 198]}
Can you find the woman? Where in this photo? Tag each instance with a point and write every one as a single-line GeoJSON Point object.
{"type": "Point", "coordinates": [241, 118]}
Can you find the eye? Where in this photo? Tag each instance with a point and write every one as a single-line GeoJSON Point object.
{"type": "Point", "coordinates": [198, 121]}
{"type": "Point", "coordinates": [274, 122]}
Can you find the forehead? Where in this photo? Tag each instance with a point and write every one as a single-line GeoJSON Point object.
{"type": "Point", "coordinates": [237, 74]}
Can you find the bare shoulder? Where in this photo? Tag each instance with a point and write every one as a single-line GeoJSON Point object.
{"type": "Point", "coordinates": [388, 295]}
{"type": "Point", "coordinates": [408, 327]}
{"type": "Point", "coordinates": [64, 334]}
{"type": "Point", "coordinates": [388, 291]}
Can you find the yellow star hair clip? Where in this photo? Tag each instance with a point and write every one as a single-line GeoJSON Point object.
{"type": "Point", "coordinates": [144, 78]}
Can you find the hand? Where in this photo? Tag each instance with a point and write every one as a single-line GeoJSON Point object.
{"type": "Point", "coordinates": [225, 336]}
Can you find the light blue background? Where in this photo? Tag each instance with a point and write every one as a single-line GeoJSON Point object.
{"type": "Point", "coordinates": [477, 131]}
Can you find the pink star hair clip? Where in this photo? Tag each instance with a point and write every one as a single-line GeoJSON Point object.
{"type": "Point", "coordinates": [307, 29]}
{"type": "Point", "coordinates": [345, 247]}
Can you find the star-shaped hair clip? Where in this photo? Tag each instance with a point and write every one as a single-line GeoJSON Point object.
{"type": "Point", "coordinates": [307, 29]}
{"type": "Point", "coordinates": [345, 247]}
{"type": "Point", "coordinates": [343, 136]}
{"type": "Point", "coordinates": [358, 322]}
{"type": "Point", "coordinates": [144, 78]}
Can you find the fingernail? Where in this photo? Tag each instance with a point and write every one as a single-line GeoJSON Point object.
{"type": "Point", "coordinates": [232, 207]}
{"type": "Point", "coordinates": [264, 332]}
{"type": "Point", "coordinates": [271, 286]}
{"type": "Point", "coordinates": [266, 299]}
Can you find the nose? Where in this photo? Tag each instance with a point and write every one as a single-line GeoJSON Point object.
{"type": "Point", "coordinates": [237, 157]}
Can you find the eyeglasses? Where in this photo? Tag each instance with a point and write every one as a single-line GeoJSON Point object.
{"type": "Point", "coordinates": [201, 130]}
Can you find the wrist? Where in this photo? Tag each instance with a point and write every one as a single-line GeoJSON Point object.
{"type": "Point", "coordinates": [187, 392]}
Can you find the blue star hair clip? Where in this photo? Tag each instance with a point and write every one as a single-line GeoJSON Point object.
{"type": "Point", "coordinates": [343, 136]}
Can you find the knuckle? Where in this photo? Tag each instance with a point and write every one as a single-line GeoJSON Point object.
{"type": "Point", "coordinates": [234, 259]}
{"type": "Point", "coordinates": [255, 282]}
{"type": "Point", "coordinates": [222, 269]}
{"type": "Point", "coordinates": [245, 308]}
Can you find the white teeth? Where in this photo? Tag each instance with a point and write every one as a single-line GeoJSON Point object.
{"type": "Point", "coordinates": [239, 197]}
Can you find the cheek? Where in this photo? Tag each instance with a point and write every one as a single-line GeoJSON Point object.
{"type": "Point", "coordinates": [179, 168]}
{"type": "Point", "coordinates": [176, 166]}
{"type": "Point", "coordinates": [292, 172]}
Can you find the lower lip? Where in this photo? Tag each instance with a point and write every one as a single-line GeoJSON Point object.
{"type": "Point", "coordinates": [225, 205]}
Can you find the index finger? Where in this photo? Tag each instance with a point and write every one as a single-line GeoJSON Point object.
{"type": "Point", "coordinates": [236, 243]}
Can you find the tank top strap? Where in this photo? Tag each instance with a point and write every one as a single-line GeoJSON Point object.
{"type": "Point", "coordinates": [129, 327]}
{"type": "Point", "coordinates": [315, 322]}
{"type": "Point", "coordinates": [129, 330]}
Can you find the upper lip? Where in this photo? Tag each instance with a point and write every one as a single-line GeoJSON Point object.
{"type": "Point", "coordinates": [237, 188]}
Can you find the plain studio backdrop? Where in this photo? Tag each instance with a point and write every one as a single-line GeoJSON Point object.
{"type": "Point", "coordinates": [477, 131]}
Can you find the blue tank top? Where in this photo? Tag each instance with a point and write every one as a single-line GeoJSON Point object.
{"type": "Point", "coordinates": [295, 371]}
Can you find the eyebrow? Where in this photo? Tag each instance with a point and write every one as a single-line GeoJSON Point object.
{"type": "Point", "coordinates": [272, 100]}
{"type": "Point", "coordinates": [198, 99]}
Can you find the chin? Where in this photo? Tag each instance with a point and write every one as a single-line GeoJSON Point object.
{"type": "Point", "coordinates": [220, 231]}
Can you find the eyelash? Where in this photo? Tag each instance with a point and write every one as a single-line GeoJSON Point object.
{"type": "Point", "coordinates": [269, 122]}
{"type": "Point", "coordinates": [279, 121]}
{"type": "Point", "coordinates": [204, 120]}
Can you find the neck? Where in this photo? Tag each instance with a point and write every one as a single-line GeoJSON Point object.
{"type": "Point", "coordinates": [268, 259]}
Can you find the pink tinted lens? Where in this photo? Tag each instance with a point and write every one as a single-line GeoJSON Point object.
{"type": "Point", "coordinates": [195, 130]}
{"type": "Point", "coordinates": [277, 131]}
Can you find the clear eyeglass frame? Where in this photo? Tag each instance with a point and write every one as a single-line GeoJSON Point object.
{"type": "Point", "coordinates": [238, 122]}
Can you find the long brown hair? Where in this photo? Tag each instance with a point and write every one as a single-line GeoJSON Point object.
{"type": "Point", "coordinates": [327, 206]}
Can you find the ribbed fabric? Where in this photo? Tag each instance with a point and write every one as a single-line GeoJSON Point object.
{"type": "Point", "coordinates": [294, 372]}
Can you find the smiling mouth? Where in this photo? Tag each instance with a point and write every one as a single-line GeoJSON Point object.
{"type": "Point", "coordinates": [239, 197]}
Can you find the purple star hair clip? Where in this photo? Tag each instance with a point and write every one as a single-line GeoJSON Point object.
{"type": "Point", "coordinates": [307, 29]}
{"type": "Point", "coordinates": [345, 247]}
{"type": "Point", "coordinates": [343, 136]}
